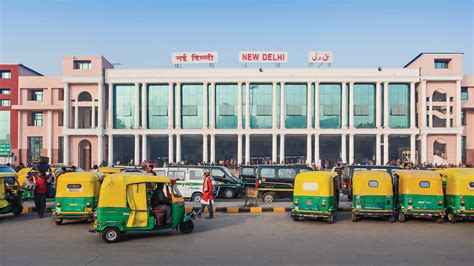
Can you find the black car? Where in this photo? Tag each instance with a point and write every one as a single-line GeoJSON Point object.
{"type": "Point", "coordinates": [274, 181]}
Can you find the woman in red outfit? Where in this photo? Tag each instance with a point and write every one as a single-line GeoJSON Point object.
{"type": "Point", "coordinates": [207, 198]}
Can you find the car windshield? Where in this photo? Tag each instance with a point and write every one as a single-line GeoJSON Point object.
{"type": "Point", "coordinates": [6, 169]}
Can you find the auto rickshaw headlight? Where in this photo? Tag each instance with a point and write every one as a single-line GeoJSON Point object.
{"type": "Point", "coordinates": [58, 204]}
{"type": "Point", "coordinates": [410, 202]}
{"type": "Point", "coordinates": [323, 203]}
{"type": "Point", "coordinates": [296, 202]}
{"type": "Point", "coordinates": [88, 204]}
{"type": "Point", "coordinates": [462, 203]}
{"type": "Point", "coordinates": [440, 202]}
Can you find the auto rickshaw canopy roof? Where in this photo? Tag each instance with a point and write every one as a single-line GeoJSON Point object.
{"type": "Point", "coordinates": [110, 170]}
{"type": "Point", "coordinates": [113, 192]}
{"type": "Point", "coordinates": [78, 184]}
{"type": "Point", "coordinates": [314, 183]}
{"type": "Point", "coordinates": [372, 182]}
{"type": "Point", "coordinates": [454, 171]}
{"type": "Point", "coordinates": [460, 184]}
{"type": "Point", "coordinates": [415, 181]}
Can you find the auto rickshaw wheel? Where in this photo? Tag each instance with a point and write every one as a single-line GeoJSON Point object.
{"type": "Point", "coordinates": [452, 217]}
{"type": "Point", "coordinates": [58, 221]}
{"type": "Point", "coordinates": [331, 219]}
{"type": "Point", "coordinates": [354, 217]}
{"type": "Point", "coordinates": [268, 197]}
{"type": "Point", "coordinates": [401, 217]}
{"type": "Point", "coordinates": [440, 220]}
{"type": "Point", "coordinates": [186, 227]}
{"type": "Point", "coordinates": [391, 219]}
{"type": "Point", "coordinates": [111, 235]}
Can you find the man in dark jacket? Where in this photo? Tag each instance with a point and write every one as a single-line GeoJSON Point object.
{"type": "Point", "coordinates": [160, 201]}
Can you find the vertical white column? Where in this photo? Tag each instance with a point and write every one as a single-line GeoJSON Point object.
{"type": "Point", "coordinates": [178, 110]}
{"type": "Point", "coordinates": [213, 107]}
{"type": "Point", "coordinates": [144, 107]}
{"type": "Point", "coordinates": [344, 148]}
{"type": "Point", "coordinates": [309, 107]}
{"type": "Point", "coordinates": [247, 148]}
{"type": "Point", "coordinates": [76, 114]}
{"type": "Point", "coordinates": [378, 153]}
{"type": "Point", "coordinates": [136, 112]}
{"type": "Point", "coordinates": [110, 156]}
{"type": "Point", "coordinates": [178, 148]}
{"type": "Point", "coordinates": [458, 105]}
{"type": "Point", "coordinates": [458, 148]}
{"type": "Point", "coordinates": [50, 136]}
{"type": "Point", "coordinates": [239, 105]}
{"type": "Point", "coordinates": [423, 106]}
{"type": "Point", "coordinates": [239, 149]}
{"type": "Point", "coordinates": [386, 109]}
{"type": "Point", "coordinates": [100, 107]}
{"type": "Point", "coordinates": [316, 105]}
{"type": "Point", "coordinates": [448, 114]}
{"type": "Point", "coordinates": [351, 148]}
{"type": "Point", "coordinates": [170, 149]}
{"type": "Point", "coordinates": [378, 105]}
{"type": "Point", "coordinates": [343, 108]}
{"type": "Point", "coordinates": [274, 148]}
{"type": "Point", "coordinates": [274, 106]}
{"type": "Point", "coordinates": [213, 148]}
{"type": "Point", "coordinates": [205, 151]}
{"type": "Point", "coordinates": [111, 109]}
{"type": "Point", "coordinates": [316, 150]}
{"type": "Point", "coordinates": [309, 149]}
{"type": "Point", "coordinates": [247, 109]}
{"type": "Point", "coordinates": [20, 133]}
{"type": "Point", "coordinates": [100, 149]}
{"type": "Point", "coordinates": [431, 111]}
{"type": "Point", "coordinates": [145, 147]}
{"type": "Point", "coordinates": [413, 148]}
{"type": "Point", "coordinates": [136, 160]}
{"type": "Point", "coordinates": [424, 148]}
{"type": "Point", "coordinates": [170, 107]}
{"type": "Point", "coordinates": [385, 149]}
{"type": "Point", "coordinates": [282, 148]}
{"type": "Point", "coordinates": [93, 114]}
{"type": "Point", "coordinates": [282, 109]}
{"type": "Point", "coordinates": [412, 105]}
{"type": "Point", "coordinates": [66, 150]}
{"type": "Point", "coordinates": [351, 106]}
{"type": "Point", "coordinates": [67, 101]}
{"type": "Point", "coordinates": [205, 105]}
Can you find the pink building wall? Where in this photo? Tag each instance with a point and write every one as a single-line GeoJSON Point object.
{"type": "Point", "coordinates": [450, 141]}
{"type": "Point", "coordinates": [468, 107]}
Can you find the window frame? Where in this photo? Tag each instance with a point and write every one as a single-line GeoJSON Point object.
{"type": "Point", "coordinates": [2, 72]}
{"type": "Point", "coordinates": [79, 64]}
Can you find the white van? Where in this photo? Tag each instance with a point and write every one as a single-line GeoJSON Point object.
{"type": "Point", "coordinates": [188, 179]}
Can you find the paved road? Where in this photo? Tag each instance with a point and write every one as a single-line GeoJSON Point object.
{"type": "Point", "coordinates": [241, 239]}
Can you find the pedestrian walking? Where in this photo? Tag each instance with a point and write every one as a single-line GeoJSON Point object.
{"type": "Point", "coordinates": [40, 193]}
{"type": "Point", "coordinates": [207, 198]}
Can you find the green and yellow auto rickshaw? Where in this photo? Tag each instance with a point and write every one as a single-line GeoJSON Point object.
{"type": "Point", "coordinates": [10, 194]}
{"type": "Point", "coordinates": [420, 194]}
{"type": "Point", "coordinates": [77, 195]}
{"type": "Point", "coordinates": [372, 195]}
{"type": "Point", "coordinates": [460, 196]}
{"type": "Point", "coordinates": [314, 196]}
{"type": "Point", "coordinates": [124, 206]}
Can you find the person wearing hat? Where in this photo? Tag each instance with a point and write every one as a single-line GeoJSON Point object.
{"type": "Point", "coordinates": [207, 198]}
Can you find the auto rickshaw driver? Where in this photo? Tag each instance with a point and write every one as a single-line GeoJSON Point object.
{"type": "Point", "coordinates": [159, 201]}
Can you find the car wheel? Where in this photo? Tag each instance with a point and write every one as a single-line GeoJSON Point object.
{"type": "Point", "coordinates": [186, 227]}
{"type": "Point", "coordinates": [451, 217]}
{"type": "Point", "coordinates": [331, 219]}
{"type": "Point", "coordinates": [196, 197]}
{"type": "Point", "coordinates": [401, 217]}
{"type": "Point", "coordinates": [354, 217]}
{"type": "Point", "coordinates": [111, 235]}
{"type": "Point", "coordinates": [229, 193]}
{"type": "Point", "coordinates": [268, 197]}
{"type": "Point", "coordinates": [58, 222]}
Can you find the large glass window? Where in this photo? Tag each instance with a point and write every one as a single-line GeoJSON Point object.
{"type": "Point", "coordinates": [364, 105]}
{"type": "Point", "coordinates": [226, 105]}
{"type": "Point", "coordinates": [5, 103]}
{"type": "Point", "coordinates": [124, 98]}
{"type": "Point", "coordinates": [158, 106]}
{"type": "Point", "coordinates": [329, 105]}
{"type": "Point", "coordinates": [191, 105]}
{"type": "Point", "coordinates": [399, 105]}
{"type": "Point", "coordinates": [441, 63]}
{"type": "Point", "coordinates": [5, 132]}
{"type": "Point", "coordinates": [261, 105]}
{"type": "Point", "coordinates": [295, 105]}
{"type": "Point", "coordinates": [35, 145]}
{"type": "Point", "coordinates": [4, 91]}
{"type": "Point", "coordinates": [37, 119]}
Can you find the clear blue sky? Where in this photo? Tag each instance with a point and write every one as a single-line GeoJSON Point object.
{"type": "Point", "coordinates": [366, 33]}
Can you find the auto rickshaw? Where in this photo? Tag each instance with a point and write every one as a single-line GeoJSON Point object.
{"type": "Point", "coordinates": [77, 195]}
{"type": "Point", "coordinates": [26, 173]}
{"type": "Point", "coordinates": [372, 195]}
{"type": "Point", "coordinates": [420, 194]}
{"type": "Point", "coordinates": [10, 194]}
{"type": "Point", "coordinates": [315, 196]}
{"type": "Point", "coordinates": [460, 196]}
{"type": "Point", "coordinates": [124, 206]}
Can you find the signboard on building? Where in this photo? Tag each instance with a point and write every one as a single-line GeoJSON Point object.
{"type": "Point", "coordinates": [263, 57]}
{"type": "Point", "coordinates": [194, 58]}
{"type": "Point", "coordinates": [5, 149]}
{"type": "Point", "coordinates": [320, 57]}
